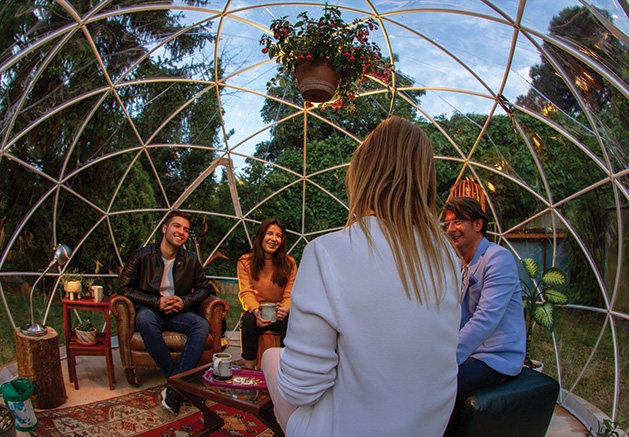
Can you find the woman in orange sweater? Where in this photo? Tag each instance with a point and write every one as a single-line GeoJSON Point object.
{"type": "Point", "coordinates": [265, 275]}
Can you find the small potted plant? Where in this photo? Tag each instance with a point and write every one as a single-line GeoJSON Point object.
{"type": "Point", "coordinates": [72, 284]}
{"type": "Point", "coordinates": [89, 283]}
{"type": "Point", "coordinates": [539, 300]}
{"type": "Point", "coordinates": [85, 333]}
{"type": "Point", "coordinates": [328, 42]}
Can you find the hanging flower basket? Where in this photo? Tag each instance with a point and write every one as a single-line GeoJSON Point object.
{"type": "Point", "coordinates": [345, 46]}
{"type": "Point", "coordinates": [317, 80]}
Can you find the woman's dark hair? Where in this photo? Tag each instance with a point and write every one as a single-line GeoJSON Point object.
{"type": "Point", "coordinates": [282, 267]}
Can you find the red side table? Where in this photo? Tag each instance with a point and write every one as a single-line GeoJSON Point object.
{"type": "Point", "coordinates": [103, 339]}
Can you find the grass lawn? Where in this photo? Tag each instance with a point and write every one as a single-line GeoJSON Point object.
{"type": "Point", "coordinates": [234, 309]}
{"type": "Point", "coordinates": [577, 333]}
{"type": "Point", "coordinates": [18, 301]}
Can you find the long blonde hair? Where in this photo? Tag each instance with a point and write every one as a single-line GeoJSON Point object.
{"type": "Point", "coordinates": [392, 176]}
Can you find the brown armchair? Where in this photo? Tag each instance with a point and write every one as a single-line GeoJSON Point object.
{"type": "Point", "coordinates": [133, 353]}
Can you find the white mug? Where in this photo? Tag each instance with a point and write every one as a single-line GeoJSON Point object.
{"type": "Point", "coordinates": [268, 311]}
{"type": "Point", "coordinates": [97, 292]}
{"type": "Point", "coordinates": [222, 364]}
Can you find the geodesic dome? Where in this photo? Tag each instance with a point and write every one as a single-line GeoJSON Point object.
{"type": "Point", "coordinates": [115, 112]}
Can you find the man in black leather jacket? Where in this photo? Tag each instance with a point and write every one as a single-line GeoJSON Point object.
{"type": "Point", "coordinates": [166, 283]}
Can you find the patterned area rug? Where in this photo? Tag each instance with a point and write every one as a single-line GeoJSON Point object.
{"type": "Point", "coordinates": [141, 414]}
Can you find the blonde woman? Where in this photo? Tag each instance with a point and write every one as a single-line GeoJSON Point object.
{"type": "Point", "coordinates": [372, 339]}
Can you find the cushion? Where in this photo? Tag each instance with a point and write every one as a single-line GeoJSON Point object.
{"type": "Point", "coordinates": [523, 407]}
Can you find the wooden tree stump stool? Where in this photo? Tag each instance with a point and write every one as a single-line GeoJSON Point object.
{"type": "Point", "coordinates": [267, 339]}
{"type": "Point", "coordinates": [38, 360]}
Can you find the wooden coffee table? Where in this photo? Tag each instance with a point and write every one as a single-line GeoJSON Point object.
{"type": "Point", "coordinates": [192, 386]}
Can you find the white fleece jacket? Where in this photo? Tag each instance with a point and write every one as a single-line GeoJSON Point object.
{"type": "Point", "coordinates": [361, 359]}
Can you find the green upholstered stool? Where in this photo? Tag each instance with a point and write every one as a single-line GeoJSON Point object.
{"type": "Point", "coordinates": [521, 407]}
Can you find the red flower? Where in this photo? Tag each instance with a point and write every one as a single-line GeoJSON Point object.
{"type": "Point", "coordinates": [309, 57]}
{"type": "Point", "coordinates": [265, 50]}
{"type": "Point", "coordinates": [352, 59]}
{"type": "Point", "coordinates": [337, 104]}
{"type": "Point", "coordinates": [302, 57]}
{"type": "Point", "coordinates": [346, 54]}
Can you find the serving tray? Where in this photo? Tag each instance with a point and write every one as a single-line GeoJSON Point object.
{"type": "Point", "coordinates": [242, 379]}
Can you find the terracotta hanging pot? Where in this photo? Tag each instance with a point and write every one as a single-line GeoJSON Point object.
{"type": "Point", "coordinates": [317, 80]}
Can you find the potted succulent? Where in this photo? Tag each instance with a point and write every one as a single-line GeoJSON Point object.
{"type": "Point", "coordinates": [539, 300]}
{"type": "Point", "coordinates": [72, 284]}
{"type": "Point", "coordinates": [85, 333]}
{"type": "Point", "coordinates": [89, 283]}
{"type": "Point", "coordinates": [325, 43]}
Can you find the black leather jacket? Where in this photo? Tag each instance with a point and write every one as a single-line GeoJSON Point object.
{"type": "Point", "coordinates": [142, 274]}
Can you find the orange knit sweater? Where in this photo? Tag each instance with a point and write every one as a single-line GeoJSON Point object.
{"type": "Point", "coordinates": [253, 293]}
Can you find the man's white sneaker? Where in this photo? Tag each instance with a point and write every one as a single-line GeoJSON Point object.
{"type": "Point", "coordinates": [171, 400]}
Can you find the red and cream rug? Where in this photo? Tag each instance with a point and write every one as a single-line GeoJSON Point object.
{"type": "Point", "coordinates": [141, 414]}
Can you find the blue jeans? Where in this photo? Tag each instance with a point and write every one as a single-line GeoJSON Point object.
{"type": "Point", "coordinates": [151, 324]}
{"type": "Point", "coordinates": [475, 374]}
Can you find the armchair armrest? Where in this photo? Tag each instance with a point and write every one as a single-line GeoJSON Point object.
{"type": "Point", "coordinates": [124, 312]}
{"type": "Point", "coordinates": [214, 310]}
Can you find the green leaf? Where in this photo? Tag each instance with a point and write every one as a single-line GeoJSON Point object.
{"type": "Point", "coordinates": [544, 316]}
{"type": "Point", "coordinates": [555, 276]}
{"type": "Point", "coordinates": [85, 325]}
{"type": "Point", "coordinates": [531, 267]}
{"type": "Point", "coordinates": [555, 296]}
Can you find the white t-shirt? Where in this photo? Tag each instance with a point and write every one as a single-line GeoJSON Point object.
{"type": "Point", "coordinates": [167, 286]}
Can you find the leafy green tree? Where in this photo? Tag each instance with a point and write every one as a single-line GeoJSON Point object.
{"type": "Point", "coordinates": [81, 142]}
{"type": "Point", "coordinates": [551, 95]}
{"type": "Point", "coordinates": [606, 107]}
{"type": "Point", "coordinates": [578, 25]}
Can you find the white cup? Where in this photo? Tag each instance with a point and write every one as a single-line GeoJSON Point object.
{"type": "Point", "coordinates": [268, 311]}
{"type": "Point", "coordinates": [222, 364]}
{"type": "Point", "coordinates": [97, 292]}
